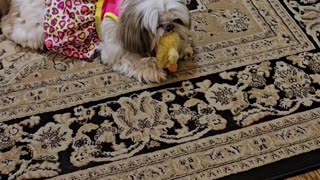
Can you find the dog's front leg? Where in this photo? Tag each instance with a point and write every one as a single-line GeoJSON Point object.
{"type": "Point", "coordinates": [186, 49]}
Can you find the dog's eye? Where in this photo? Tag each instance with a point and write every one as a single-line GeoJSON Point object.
{"type": "Point", "coordinates": [178, 21]}
{"type": "Point", "coordinates": [160, 26]}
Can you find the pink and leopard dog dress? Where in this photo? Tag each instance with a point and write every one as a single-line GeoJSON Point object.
{"type": "Point", "coordinates": [72, 27]}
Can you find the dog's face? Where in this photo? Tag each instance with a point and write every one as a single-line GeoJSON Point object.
{"type": "Point", "coordinates": [144, 22]}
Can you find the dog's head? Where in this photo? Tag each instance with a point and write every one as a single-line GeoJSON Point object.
{"type": "Point", "coordinates": [144, 22]}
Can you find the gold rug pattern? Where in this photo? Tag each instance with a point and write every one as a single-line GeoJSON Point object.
{"type": "Point", "coordinates": [250, 97]}
{"type": "Point", "coordinates": [227, 34]}
{"type": "Point", "coordinates": [218, 156]}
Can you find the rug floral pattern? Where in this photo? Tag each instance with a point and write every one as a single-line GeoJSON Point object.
{"type": "Point", "coordinates": [227, 34]}
{"type": "Point", "coordinates": [249, 98]}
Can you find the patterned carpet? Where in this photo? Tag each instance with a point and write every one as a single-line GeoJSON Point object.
{"type": "Point", "coordinates": [247, 106]}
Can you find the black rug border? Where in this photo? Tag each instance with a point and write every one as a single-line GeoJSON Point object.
{"type": "Point", "coordinates": [286, 168]}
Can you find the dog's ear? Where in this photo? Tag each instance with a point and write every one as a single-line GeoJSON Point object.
{"type": "Point", "coordinates": [138, 26]}
{"type": "Point", "coordinates": [134, 36]}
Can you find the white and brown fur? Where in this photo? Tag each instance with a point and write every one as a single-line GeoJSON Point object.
{"type": "Point", "coordinates": [4, 8]}
{"type": "Point", "coordinates": [128, 46]}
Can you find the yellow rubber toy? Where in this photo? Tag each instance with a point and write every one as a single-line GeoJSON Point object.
{"type": "Point", "coordinates": [167, 53]}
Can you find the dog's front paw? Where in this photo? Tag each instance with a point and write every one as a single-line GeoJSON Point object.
{"type": "Point", "coordinates": [144, 70]}
{"type": "Point", "coordinates": [149, 72]}
{"type": "Point", "coordinates": [149, 75]}
{"type": "Point", "coordinates": [187, 53]}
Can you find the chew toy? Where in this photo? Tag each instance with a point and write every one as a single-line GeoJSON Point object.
{"type": "Point", "coordinates": [167, 53]}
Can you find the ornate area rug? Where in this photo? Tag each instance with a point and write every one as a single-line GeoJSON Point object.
{"type": "Point", "coordinates": [247, 105]}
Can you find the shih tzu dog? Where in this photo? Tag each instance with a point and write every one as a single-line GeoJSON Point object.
{"type": "Point", "coordinates": [128, 45]}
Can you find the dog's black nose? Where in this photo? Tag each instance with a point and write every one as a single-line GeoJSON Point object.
{"type": "Point", "coordinates": [169, 28]}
